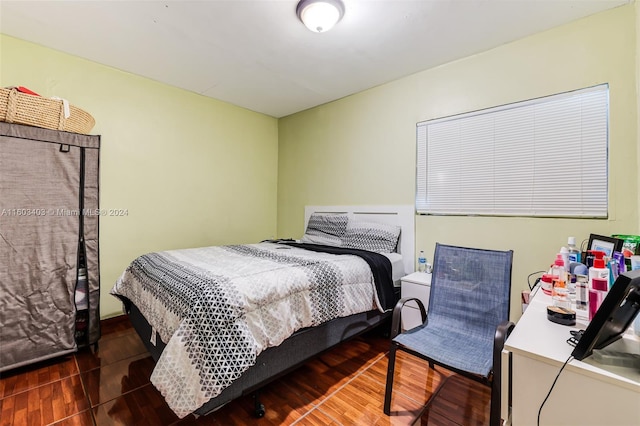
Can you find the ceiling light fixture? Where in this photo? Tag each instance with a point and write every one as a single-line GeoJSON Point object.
{"type": "Point", "coordinates": [320, 15]}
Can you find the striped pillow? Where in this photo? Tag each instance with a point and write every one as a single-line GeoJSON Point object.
{"type": "Point", "coordinates": [326, 229]}
{"type": "Point", "coordinates": [371, 236]}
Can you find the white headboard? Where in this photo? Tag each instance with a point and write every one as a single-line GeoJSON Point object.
{"type": "Point", "coordinates": [401, 215]}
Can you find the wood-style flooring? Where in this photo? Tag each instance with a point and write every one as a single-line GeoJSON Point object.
{"type": "Point", "coordinates": [344, 386]}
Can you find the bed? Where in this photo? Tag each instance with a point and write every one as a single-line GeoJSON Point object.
{"type": "Point", "coordinates": [224, 321]}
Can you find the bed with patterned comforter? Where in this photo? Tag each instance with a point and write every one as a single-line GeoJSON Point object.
{"type": "Point", "coordinates": [218, 308]}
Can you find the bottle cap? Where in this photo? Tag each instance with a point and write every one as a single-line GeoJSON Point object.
{"type": "Point", "coordinates": [571, 241]}
{"type": "Point", "coordinates": [559, 261]}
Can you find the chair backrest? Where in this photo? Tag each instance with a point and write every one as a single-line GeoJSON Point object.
{"type": "Point", "coordinates": [470, 288]}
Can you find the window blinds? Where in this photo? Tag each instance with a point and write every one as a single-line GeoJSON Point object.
{"type": "Point", "coordinates": [542, 157]}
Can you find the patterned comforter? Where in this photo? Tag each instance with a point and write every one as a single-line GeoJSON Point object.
{"type": "Point", "coordinates": [219, 307]}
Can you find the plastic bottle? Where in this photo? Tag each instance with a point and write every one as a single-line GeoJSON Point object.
{"type": "Point", "coordinates": [560, 294]}
{"type": "Point", "coordinates": [558, 269]}
{"type": "Point", "coordinates": [582, 298]}
{"type": "Point", "coordinates": [614, 271]}
{"type": "Point", "coordinates": [598, 270]}
{"type": "Point", "coordinates": [574, 253]}
{"type": "Point", "coordinates": [564, 252]}
{"type": "Point", "coordinates": [422, 262]}
{"type": "Point", "coordinates": [619, 257]}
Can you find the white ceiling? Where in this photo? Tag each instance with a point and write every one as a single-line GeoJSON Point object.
{"type": "Point", "coordinates": [257, 55]}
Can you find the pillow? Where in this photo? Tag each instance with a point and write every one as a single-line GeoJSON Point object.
{"type": "Point", "coordinates": [371, 236]}
{"type": "Point", "coordinates": [325, 228]}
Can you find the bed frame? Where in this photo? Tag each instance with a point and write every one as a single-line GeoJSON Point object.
{"type": "Point", "coordinates": [309, 342]}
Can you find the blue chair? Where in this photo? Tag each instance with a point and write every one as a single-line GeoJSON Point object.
{"type": "Point", "coordinates": [467, 322]}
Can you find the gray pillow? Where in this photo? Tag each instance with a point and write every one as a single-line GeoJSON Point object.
{"type": "Point", "coordinates": [326, 229]}
{"type": "Point", "coordinates": [371, 236]}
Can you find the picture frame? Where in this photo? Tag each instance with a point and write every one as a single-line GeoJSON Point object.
{"type": "Point", "coordinates": [605, 244]}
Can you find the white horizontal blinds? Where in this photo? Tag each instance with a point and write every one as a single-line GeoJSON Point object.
{"type": "Point", "coordinates": [544, 157]}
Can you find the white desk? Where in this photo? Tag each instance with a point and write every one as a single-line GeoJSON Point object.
{"type": "Point", "coordinates": [587, 393]}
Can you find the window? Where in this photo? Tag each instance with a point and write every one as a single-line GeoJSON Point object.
{"type": "Point", "coordinates": [542, 157]}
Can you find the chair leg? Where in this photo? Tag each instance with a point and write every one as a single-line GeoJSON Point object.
{"type": "Point", "coordinates": [494, 409]}
{"type": "Point", "coordinates": [502, 332]}
{"type": "Point", "coordinates": [390, 372]}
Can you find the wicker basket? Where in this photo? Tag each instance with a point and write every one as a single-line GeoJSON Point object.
{"type": "Point", "coordinates": [21, 108]}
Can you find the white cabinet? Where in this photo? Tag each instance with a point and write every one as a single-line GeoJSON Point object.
{"type": "Point", "coordinates": [416, 285]}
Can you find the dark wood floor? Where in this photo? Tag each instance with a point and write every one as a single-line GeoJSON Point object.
{"type": "Point", "coordinates": [342, 387]}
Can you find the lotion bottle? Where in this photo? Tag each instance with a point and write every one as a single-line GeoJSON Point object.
{"type": "Point", "coordinates": [598, 270]}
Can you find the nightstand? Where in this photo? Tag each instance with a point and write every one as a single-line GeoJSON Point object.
{"type": "Point", "coordinates": [416, 285]}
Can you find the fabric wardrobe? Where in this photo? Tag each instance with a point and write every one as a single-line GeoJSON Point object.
{"type": "Point", "coordinates": [49, 216]}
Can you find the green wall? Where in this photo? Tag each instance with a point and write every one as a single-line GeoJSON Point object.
{"type": "Point", "coordinates": [637, 8]}
{"type": "Point", "coordinates": [361, 149]}
{"type": "Point", "coordinates": [191, 171]}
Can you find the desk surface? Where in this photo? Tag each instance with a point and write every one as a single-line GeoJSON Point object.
{"type": "Point", "coordinates": [538, 338]}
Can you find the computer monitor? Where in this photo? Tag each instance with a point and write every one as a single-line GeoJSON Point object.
{"type": "Point", "coordinates": [618, 310]}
